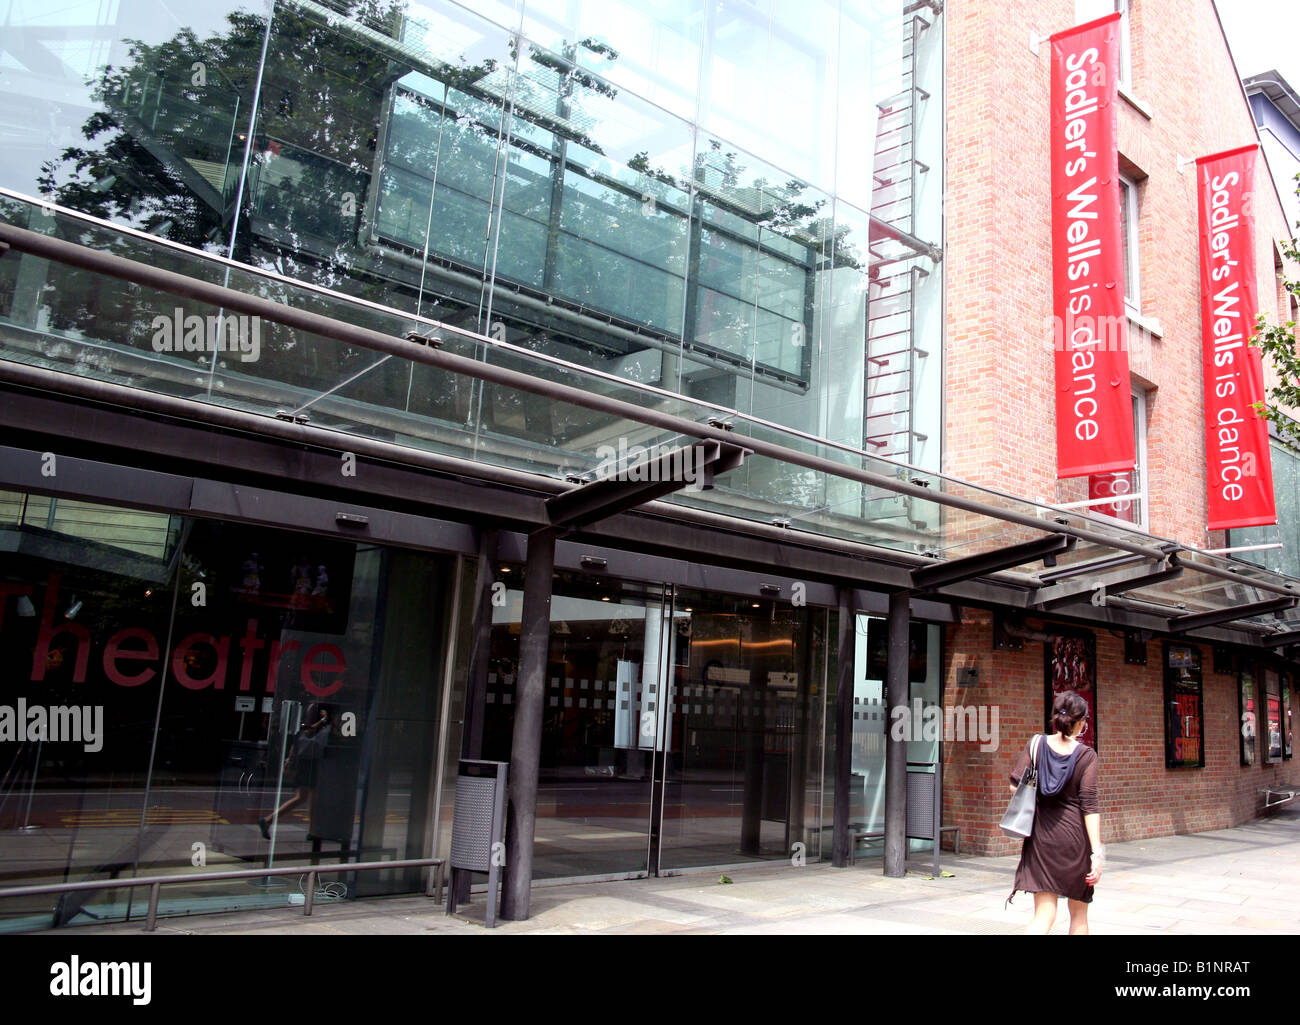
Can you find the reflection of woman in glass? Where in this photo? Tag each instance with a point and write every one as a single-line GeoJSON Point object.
{"type": "Point", "coordinates": [302, 765]}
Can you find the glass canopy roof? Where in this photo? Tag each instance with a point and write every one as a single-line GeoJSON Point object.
{"type": "Point", "coordinates": [506, 406]}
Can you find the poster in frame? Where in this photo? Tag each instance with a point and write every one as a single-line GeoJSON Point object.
{"type": "Point", "coordinates": [1184, 708]}
{"type": "Point", "coordinates": [1070, 663]}
{"type": "Point", "coordinates": [1248, 714]}
{"type": "Point", "coordinates": [1271, 716]}
{"type": "Point", "coordinates": [1288, 681]}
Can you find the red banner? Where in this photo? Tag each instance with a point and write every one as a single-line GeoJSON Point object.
{"type": "Point", "coordinates": [1094, 422]}
{"type": "Point", "coordinates": [1238, 467]}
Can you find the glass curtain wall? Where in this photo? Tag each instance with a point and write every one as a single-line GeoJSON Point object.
{"type": "Point", "coordinates": [190, 695]}
{"type": "Point", "coordinates": [736, 201]}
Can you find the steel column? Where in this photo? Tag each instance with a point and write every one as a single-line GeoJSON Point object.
{"type": "Point", "coordinates": [896, 747]}
{"type": "Point", "coordinates": [842, 839]}
{"type": "Point", "coordinates": [526, 746]}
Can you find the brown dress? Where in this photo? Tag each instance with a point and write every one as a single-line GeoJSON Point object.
{"type": "Point", "coordinates": [1056, 857]}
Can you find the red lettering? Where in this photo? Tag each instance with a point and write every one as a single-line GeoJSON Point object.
{"type": "Point", "coordinates": [184, 656]}
{"type": "Point", "coordinates": [113, 651]}
{"type": "Point", "coordinates": [309, 665]}
{"type": "Point", "coordinates": [249, 643]}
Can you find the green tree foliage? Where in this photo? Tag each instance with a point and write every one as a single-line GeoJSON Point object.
{"type": "Point", "coordinates": [1277, 343]}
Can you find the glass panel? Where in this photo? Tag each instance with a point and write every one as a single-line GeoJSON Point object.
{"type": "Point", "coordinates": [375, 153]}
{"type": "Point", "coordinates": [596, 217]}
{"type": "Point", "coordinates": [593, 802]}
{"type": "Point", "coordinates": [744, 753]}
{"type": "Point", "coordinates": [199, 710]}
{"type": "Point", "coordinates": [768, 83]}
{"type": "Point", "coordinates": [85, 597]}
{"type": "Point", "coordinates": [302, 715]}
{"type": "Point", "coordinates": [871, 722]}
{"type": "Point", "coordinates": [132, 111]}
{"type": "Point", "coordinates": [651, 50]}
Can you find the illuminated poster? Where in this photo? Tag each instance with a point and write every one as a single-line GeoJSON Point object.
{"type": "Point", "coordinates": [1184, 708]}
{"type": "Point", "coordinates": [1272, 717]}
{"type": "Point", "coordinates": [1071, 664]}
{"type": "Point", "coordinates": [1248, 715]}
{"type": "Point", "coordinates": [1286, 715]}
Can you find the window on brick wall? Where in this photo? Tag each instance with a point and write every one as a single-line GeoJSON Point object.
{"type": "Point", "coordinates": [1131, 483]}
{"type": "Point", "coordinates": [1091, 10]}
{"type": "Point", "coordinates": [1128, 219]}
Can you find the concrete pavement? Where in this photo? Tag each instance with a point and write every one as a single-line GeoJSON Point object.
{"type": "Point", "coordinates": [1233, 881]}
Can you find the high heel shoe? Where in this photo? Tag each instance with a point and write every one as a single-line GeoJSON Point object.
{"type": "Point", "coordinates": [266, 831]}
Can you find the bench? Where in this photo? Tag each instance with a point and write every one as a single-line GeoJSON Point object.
{"type": "Point", "coordinates": [1279, 795]}
{"type": "Point", "coordinates": [857, 838]}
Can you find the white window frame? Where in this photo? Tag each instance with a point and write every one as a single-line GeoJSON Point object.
{"type": "Point", "coordinates": [1090, 10]}
{"type": "Point", "coordinates": [1128, 215]}
{"type": "Point", "coordinates": [1140, 482]}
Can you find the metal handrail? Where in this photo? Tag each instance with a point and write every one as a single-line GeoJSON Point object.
{"type": "Point", "coordinates": [155, 883]}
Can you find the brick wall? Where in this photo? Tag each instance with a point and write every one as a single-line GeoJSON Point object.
{"type": "Point", "coordinates": [1139, 795]}
{"type": "Point", "coordinates": [1000, 415]}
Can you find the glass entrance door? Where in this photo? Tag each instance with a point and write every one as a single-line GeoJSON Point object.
{"type": "Point", "coordinates": [604, 675]}
{"type": "Point", "coordinates": [740, 754]}
{"type": "Point", "coordinates": [682, 729]}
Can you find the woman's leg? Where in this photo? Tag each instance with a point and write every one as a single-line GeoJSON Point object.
{"type": "Point", "coordinates": [1044, 914]}
{"type": "Point", "coordinates": [299, 796]}
{"type": "Point", "coordinates": [1078, 918]}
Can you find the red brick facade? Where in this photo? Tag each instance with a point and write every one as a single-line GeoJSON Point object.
{"type": "Point", "coordinates": [1185, 101]}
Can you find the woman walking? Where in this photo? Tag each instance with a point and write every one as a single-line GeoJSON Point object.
{"type": "Point", "coordinates": [1064, 854]}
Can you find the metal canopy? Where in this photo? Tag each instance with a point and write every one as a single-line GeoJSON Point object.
{"type": "Point", "coordinates": [619, 488]}
{"type": "Point", "coordinates": [1198, 620]}
{"type": "Point", "coordinates": [955, 570]}
{"type": "Point", "coordinates": [1097, 588]}
{"type": "Point", "coordinates": [927, 502]}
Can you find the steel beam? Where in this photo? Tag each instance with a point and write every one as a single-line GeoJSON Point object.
{"type": "Point", "coordinates": [632, 486]}
{"type": "Point", "coordinates": [1197, 620]}
{"type": "Point", "coordinates": [926, 578]}
{"type": "Point", "coordinates": [1091, 566]}
{"type": "Point", "coordinates": [1047, 598]}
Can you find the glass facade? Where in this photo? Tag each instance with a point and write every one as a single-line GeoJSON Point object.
{"type": "Point", "coordinates": [1286, 493]}
{"type": "Point", "coordinates": [737, 202]}
{"type": "Point", "coordinates": [717, 209]}
{"type": "Point", "coordinates": [169, 669]}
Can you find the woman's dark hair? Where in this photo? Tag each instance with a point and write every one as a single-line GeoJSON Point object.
{"type": "Point", "coordinates": [1067, 709]}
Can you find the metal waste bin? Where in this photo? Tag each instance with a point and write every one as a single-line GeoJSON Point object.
{"type": "Point", "coordinates": [478, 829]}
